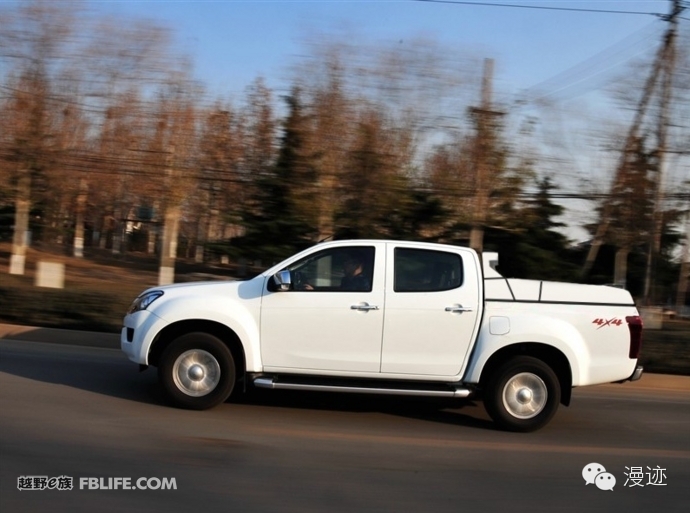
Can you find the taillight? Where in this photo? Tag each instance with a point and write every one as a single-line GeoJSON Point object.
{"type": "Point", "coordinates": [635, 326]}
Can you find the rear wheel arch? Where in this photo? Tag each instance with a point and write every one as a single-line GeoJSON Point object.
{"type": "Point", "coordinates": [522, 394]}
{"type": "Point", "coordinates": [550, 355]}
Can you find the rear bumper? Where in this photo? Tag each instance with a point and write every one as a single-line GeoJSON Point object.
{"type": "Point", "coordinates": [637, 373]}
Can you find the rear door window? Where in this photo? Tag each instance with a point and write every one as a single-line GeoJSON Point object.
{"type": "Point", "coordinates": [421, 270]}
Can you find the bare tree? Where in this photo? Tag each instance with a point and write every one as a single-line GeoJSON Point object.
{"type": "Point", "coordinates": [68, 77]}
{"type": "Point", "coordinates": [220, 191]}
{"type": "Point", "coordinates": [332, 115]}
{"type": "Point", "coordinates": [175, 159]}
{"type": "Point", "coordinates": [415, 87]}
{"type": "Point", "coordinates": [119, 63]}
{"type": "Point", "coordinates": [32, 41]}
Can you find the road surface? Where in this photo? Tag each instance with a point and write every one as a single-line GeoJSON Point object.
{"type": "Point", "coordinates": [86, 413]}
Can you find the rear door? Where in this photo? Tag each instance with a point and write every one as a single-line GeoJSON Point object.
{"type": "Point", "coordinates": [432, 310]}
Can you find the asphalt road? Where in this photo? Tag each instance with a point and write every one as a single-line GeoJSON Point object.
{"type": "Point", "coordinates": [86, 412]}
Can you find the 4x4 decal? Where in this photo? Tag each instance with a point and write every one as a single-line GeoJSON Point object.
{"type": "Point", "coordinates": [607, 322]}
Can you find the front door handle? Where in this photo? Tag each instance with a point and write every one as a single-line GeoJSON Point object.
{"type": "Point", "coordinates": [364, 307]}
{"type": "Point", "coordinates": [459, 309]}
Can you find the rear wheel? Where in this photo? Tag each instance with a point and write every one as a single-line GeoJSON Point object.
{"type": "Point", "coordinates": [523, 394]}
{"type": "Point", "coordinates": [197, 371]}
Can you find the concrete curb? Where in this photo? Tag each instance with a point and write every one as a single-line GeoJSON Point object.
{"type": "Point", "coordinates": [112, 341]}
{"type": "Point", "coordinates": [650, 381]}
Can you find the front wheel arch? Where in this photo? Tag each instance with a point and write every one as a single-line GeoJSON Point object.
{"type": "Point", "coordinates": [175, 330]}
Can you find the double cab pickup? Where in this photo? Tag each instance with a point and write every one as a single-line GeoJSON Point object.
{"type": "Point", "coordinates": [388, 317]}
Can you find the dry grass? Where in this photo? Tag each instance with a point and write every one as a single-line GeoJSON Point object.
{"type": "Point", "coordinates": [98, 288]}
{"type": "Point", "coordinates": [98, 272]}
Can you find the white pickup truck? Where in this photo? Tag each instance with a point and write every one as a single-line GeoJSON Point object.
{"type": "Point", "coordinates": [388, 317]}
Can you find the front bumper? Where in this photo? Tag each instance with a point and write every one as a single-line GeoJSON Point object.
{"type": "Point", "coordinates": [138, 333]}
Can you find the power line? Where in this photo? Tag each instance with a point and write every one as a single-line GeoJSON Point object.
{"type": "Point", "coordinates": [597, 65]}
{"type": "Point", "coordinates": [97, 165]}
{"type": "Point", "coordinates": [542, 7]}
{"type": "Point", "coordinates": [53, 98]}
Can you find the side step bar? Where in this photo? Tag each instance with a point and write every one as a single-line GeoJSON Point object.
{"type": "Point", "coordinates": [268, 382]}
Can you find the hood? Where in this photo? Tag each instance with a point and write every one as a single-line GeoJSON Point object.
{"type": "Point", "coordinates": [205, 294]}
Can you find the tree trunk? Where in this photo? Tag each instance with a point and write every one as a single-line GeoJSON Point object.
{"type": "Point", "coordinates": [79, 224]}
{"type": "Point", "coordinates": [201, 239]}
{"type": "Point", "coordinates": [117, 231]}
{"type": "Point", "coordinates": [477, 238]}
{"type": "Point", "coordinates": [20, 240]}
{"type": "Point", "coordinates": [684, 271]}
{"type": "Point", "coordinates": [166, 271]}
{"type": "Point", "coordinates": [620, 272]}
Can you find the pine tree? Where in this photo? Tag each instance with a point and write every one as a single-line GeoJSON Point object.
{"type": "Point", "coordinates": [532, 246]}
{"type": "Point", "coordinates": [279, 222]}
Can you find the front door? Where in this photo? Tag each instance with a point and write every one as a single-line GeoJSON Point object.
{"type": "Point", "coordinates": [331, 319]}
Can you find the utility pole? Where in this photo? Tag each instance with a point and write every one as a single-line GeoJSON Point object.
{"type": "Point", "coordinates": [483, 116]}
{"type": "Point", "coordinates": [662, 72]}
{"type": "Point", "coordinates": [666, 89]}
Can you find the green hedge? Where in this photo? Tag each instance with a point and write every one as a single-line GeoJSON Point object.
{"type": "Point", "coordinates": [61, 308]}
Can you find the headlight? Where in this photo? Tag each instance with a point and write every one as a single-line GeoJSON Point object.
{"type": "Point", "coordinates": [144, 301]}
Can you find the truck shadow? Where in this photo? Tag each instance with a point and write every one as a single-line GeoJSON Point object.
{"type": "Point", "coordinates": [110, 374]}
{"type": "Point", "coordinates": [93, 370]}
{"type": "Point", "coordinates": [461, 412]}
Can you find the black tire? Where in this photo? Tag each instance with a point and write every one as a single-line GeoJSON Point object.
{"type": "Point", "coordinates": [522, 394]}
{"type": "Point", "coordinates": [197, 371]}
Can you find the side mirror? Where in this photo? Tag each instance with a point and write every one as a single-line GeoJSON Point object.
{"type": "Point", "coordinates": [283, 280]}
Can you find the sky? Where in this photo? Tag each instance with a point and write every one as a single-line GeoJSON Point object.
{"type": "Point", "coordinates": [233, 42]}
{"type": "Point", "coordinates": [568, 56]}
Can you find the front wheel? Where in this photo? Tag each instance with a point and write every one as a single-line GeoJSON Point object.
{"type": "Point", "coordinates": [523, 394]}
{"type": "Point", "coordinates": [197, 371]}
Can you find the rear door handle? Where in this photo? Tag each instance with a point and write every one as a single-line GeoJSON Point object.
{"type": "Point", "coordinates": [459, 309]}
{"type": "Point", "coordinates": [364, 307]}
